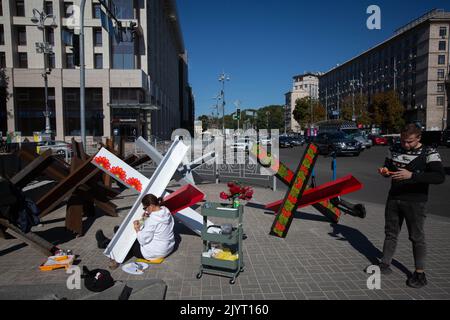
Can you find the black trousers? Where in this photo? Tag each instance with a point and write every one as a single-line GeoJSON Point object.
{"type": "Point", "coordinates": [413, 213]}
{"type": "Point", "coordinates": [135, 251]}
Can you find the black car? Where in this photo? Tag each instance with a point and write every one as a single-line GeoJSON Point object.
{"type": "Point", "coordinates": [295, 141]}
{"type": "Point", "coordinates": [337, 142]}
{"type": "Point", "coordinates": [285, 142]}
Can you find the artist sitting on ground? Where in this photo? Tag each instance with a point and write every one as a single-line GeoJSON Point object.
{"type": "Point", "coordinates": [155, 237]}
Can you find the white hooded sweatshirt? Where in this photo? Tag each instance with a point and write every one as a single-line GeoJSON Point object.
{"type": "Point", "coordinates": [156, 237]}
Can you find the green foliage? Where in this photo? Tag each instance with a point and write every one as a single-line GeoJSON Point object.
{"type": "Point", "coordinates": [205, 122]}
{"type": "Point", "coordinates": [302, 112]}
{"type": "Point", "coordinates": [362, 115]}
{"type": "Point", "coordinates": [273, 116]}
{"type": "Point", "coordinates": [387, 111]}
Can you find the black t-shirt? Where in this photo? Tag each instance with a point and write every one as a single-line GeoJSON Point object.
{"type": "Point", "coordinates": [425, 164]}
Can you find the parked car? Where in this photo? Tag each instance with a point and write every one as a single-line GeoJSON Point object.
{"type": "Point", "coordinates": [285, 142]}
{"type": "Point", "coordinates": [432, 138]}
{"type": "Point", "coordinates": [295, 141]}
{"type": "Point", "coordinates": [392, 138]}
{"type": "Point", "coordinates": [337, 142]}
{"type": "Point", "coordinates": [58, 147]}
{"type": "Point", "coordinates": [378, 140]}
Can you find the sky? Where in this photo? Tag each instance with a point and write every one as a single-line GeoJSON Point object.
{"type": "Point", "coordinates": [262, 44]}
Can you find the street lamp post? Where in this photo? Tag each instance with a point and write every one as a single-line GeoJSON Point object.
{"type": "Point", "coordinates": [82, 76]}
{"type": "Point", "coordinates": [222, 78]}
{"type": "Point", "coordinates": [352, 84]}
{"type": "Point", "coordinates": [44, 47]}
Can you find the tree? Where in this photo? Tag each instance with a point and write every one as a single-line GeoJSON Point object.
{"type": "Point", "coordinates": [319, 113]}
{"type": "Point", "coordinates": [302, 112]}
{"type": "Point", "coordinates": [387, 111]}
{"type": "Point", "coordinates": [270, 117]}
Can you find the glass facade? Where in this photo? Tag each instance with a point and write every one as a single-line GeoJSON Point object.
{"type": "Point", "coordinates": [125, 9]}
{"type": "Point", "coordinates": [30, 107]}
{"type": "Point", "coordinates": [94, 111]}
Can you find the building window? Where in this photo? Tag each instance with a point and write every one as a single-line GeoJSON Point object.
{"type": "Point", "coordinates": [443, 31]}
{"type": "Point", "coordinates": [96, 10]}
{"type": "Point", "coordinates": [98, 61]}
{"type": "Point", "coordinates": [98, 37]}
{"type": "Point", "coordinates": [48, 7]}
{"type": "Point", "coordinates": [442, 45]}
{"type": "Point", "coordinates": [441, 59]}
{"type": "Point", "coordinates": [94, 111]}
{"type": "Point", "coordinates": [69, 61]}
{"type": "Point", "coordinates": [21, 35]}
{"type": "Point", "coordinates": [440, 101]}
{"type": "Point", "coordinates": [20, 8]}
{"type": "Point", "coordinates": [51, 61]}
{"type": "Point", "coordinates": [50, 35]}
{"type": "Point", "coordinates": [67, 36]}
{"type": "Point", "coordinates": [440, 87]}
{"type": "Point", "coordinates": [2, 35]}
{"type": "Point", "coordinates": [68, 9]}
{"type": "Point", "coordinates": [23, 60]}
{"type": "Point", "coordinates": [1, 8]}
{"type": "Point", "coordinates": [2, 60]}
{"type": "Point", "coordinates": [441, 73]}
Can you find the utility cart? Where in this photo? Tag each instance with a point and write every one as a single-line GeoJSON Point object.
{"type": "Point", "coordinates": [211, 235]}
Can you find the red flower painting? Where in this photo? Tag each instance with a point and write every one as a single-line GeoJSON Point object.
{"type": "Point", "coordinates": [119, 173]}
{"type": "Point", "coordinates": [135, 183]}
{"type": "Point", "coordinates": [103, 162]}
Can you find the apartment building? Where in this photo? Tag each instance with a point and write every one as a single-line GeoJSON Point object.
{"type": "Point", "coordinates": [414, 62]}
{"type": "Point", "coordinates": [304, 85]}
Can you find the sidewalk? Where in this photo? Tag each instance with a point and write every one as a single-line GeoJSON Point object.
{"type": "Point", "coordinates": [315, 261]}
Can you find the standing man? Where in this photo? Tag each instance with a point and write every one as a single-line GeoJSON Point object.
{"type": "Point", "coordinates": [412, 168]}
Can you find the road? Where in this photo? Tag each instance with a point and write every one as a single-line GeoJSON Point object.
{"type": "Point", "coordinates": [364, 168]}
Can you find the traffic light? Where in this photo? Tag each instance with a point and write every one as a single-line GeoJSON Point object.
{"type": "Point", "coordinates": [238, 114]}
{"type": "Point", "coordinates": [76, 49]}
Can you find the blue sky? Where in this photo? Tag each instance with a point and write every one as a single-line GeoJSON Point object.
{"type": "Point", "coordinates": [262, 44]}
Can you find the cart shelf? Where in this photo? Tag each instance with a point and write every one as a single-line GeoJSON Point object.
{"type": "Point", "coordinates": [210, 265]}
